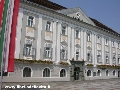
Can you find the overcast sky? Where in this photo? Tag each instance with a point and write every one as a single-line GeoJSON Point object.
{"type": "Point", "coordinates": [105, 11]}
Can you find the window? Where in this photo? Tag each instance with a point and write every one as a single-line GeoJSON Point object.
{"type": "Point", "coordinates": [89, 56]}
{"type": "Point", "coordinates": [98, 39]}
{"type": "Point", "coordinates": [118, 60]}
{"type": "Point", "coordinates": [107, 58]}
{"type": "Point", "coordinates": [48, 24]}
{"type": "Point", "coordinates": [27, 49]}
{"type": "Point", "coordinates": [113, 43]}
{"type": "Point", "coordinates": [94, 73]}
{"type": "Point", "coordinates": [98, 56]}
{"type": "Point", "coordinates": [118, 45]}
{"type": "Point", "coordinates": [48, 51]}
{"type": "Point", "coordinates": [77, 33]}
{"type": "Point", "coordinates": [107, 73]}
{"type": "Point", "coordinates": [63, 53]}
{"type": "Point", "coordinates": [30, 21]}
{"type": "Point", "coordinates": [26, 72]}
{"type": "Point", "coordinates": [89, 73]}
{"type": "Point", "coordinates": [88, 37]}
{"type": "Point", "coordinates": [114, 58]}
{"type": "Point", "coordinates": [98, 73]}
{"type": "Point", "coordinates": [77, 55]}
{"type": "Point", "coordinates": [46, 72]}
{"type": "Point", "coordinates": [106, 41]}
{"type": "Point", "coordinates": [114, 73]}
{"type": "Point", "coordinates": [63, 30]}
{"type": "Point", "coordinates": [63, 73]}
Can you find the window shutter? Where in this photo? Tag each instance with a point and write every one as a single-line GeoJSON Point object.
{"type": "Point", "coordinates": [24, 50]}
{"type": "Point", "coordinates": [51, 52]}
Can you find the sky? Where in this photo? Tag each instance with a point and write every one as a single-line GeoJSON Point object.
{"type": "Point", "coordinates": [105, 11]}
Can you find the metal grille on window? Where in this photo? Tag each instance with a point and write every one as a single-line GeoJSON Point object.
{"type": "Point", "coordinates": [46, 72]}
{"type": "Point", "coordinates": [26, 72]}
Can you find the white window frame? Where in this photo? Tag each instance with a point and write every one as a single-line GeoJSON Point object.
{"type": "Point", "coordinates": [48, 53]}
{"type": "Point", "coordinates": [47, 72]}
{"type": "Point", "coordinates": [99, 73]}
{"type": "Point", "coordinates": [77, 33]}
{"type": "Point", "coordinates": [114, 74]}
{"type": "Point", "coordinates": [106, 41]}
{"type": "Point", "coordinates": [99, 54]}
{"type": "Point", "coordinates": [88, 36]}
{"type": "Point", "coordinates": [31, 22]}
{"type": "Point", "coordinates": [63, 54]}
{"type": "Point", "coordinates": [118, 60]}
{"type": "Point", "coordinates": [77, 55]}
{"type": "Point", "coordinates": [48, 26]}
{"type": "Point", "coordinates": [63, 29]}
{"type": "Point", "coordinates": [98, 39]}
{"type": "Point", "coordinates": [65, 73]}
{"type": "Point", "coordinates": [90, 73]}
{"type": "Point", "coordinates": [113, 43]}
{"type": "Point", "coordinates": [107, 74]}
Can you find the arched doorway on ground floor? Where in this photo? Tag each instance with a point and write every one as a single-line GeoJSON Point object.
{"type": "Point", "coordinates": [76, 73]}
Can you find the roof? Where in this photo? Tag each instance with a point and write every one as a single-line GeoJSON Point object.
{"type": "Point", "coordinates": [54, 6]}
{"type": "Point", "coordinates": [99, 24]}
{"type": "Point", "coordinates": [48, 4]}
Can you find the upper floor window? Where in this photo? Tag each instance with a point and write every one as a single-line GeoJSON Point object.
{"type": "Point", "coordinates": [88, 37]}
{"type": "Point", "coordinates": [77, 54]}
{"type": "Point", "coordinates": [118, 45]}
{"type": "Point", "coordinates": [107, 58]}
{"type": "Point", "coordinates": [48, 25]}
{"type": "Point", "coordinates": [63, 53]}
{"type": "Point", "coordinates": [89, 56]}
{"type": "Point", "coordinates": [28, 49]}
{"type": "Point", "coordinates": [63, 30]}
{"type": "Point", "coordinates": [98, 56]}
{"type": "Point", "coordinates": [77, 33]}
{"type": "Point", "coordinates": [113, 43]}
{"type": "Point", "coordinates": [30, 21]}
{"type": "Point", "coordinates": [48, 51]}
{"type": "Point", "coordinates": [98, 39]}
{"type": "Point", "coordinates": [114, 58]}
{"type": "Point", "coordinates": [118, 60]}
{"type": "Point", "coordinates": [106, 41]}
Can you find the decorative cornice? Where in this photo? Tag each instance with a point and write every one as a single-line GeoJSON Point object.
{"type": "Point", "coordinates": [51, 13]}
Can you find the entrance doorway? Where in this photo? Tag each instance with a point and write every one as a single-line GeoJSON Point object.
{"type": "Point", "coordinates": [76, 73]}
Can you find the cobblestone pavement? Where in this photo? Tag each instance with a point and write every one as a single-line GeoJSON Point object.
{"type": "Point", "coordinates": [110, 84]}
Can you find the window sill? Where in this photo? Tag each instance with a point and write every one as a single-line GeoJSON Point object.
{"type": "Point", "coordinates": [30, 26]}
{"type": "Point", "coordinates": [64, 35]}
{"type": "Point", "coordinates": [48, 31]}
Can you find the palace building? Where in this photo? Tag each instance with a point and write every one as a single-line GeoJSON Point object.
{"type": "Point", "coordinates": [55, 43]}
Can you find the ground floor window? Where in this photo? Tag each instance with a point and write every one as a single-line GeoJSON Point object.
{"type": "Point", "coordinates": [27, 72]}
{"type": "Point", "coordinates": [114, 73]}
{"type": "Point", "coordinates": [107, 73]}
{"type": "Point", "coordinates": [46, 72]}
{"type": "Point", "coordinates": [89, 73]}
{"type": "Point", "coordinates": [98, 73]}
{"type": "Point", "coordinates": [62, 73]}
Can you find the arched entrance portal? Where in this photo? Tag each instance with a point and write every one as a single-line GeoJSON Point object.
{"type": "Point", "coordinates": [76, 73]}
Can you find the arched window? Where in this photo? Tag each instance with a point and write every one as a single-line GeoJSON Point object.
{"type": "Point", "coordinates": [63, 73]}
{"type": "Point", "coordinates": [46, 72]}
{"type": "Point", "coordinates": [89, 73]}
{"type": "Point", "coordinates": [98, 73]}
{"type": "Point", "coordinates": [114, 73]}
{"type": "Point", "coordinates": [107, 73]}
{"type": "Point", "coordinates": [27, 72]}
